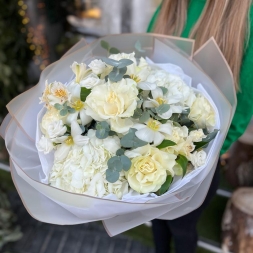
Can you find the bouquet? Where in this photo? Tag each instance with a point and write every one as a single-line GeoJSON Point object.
{"type": "Point", "coordinates": [133, 129]}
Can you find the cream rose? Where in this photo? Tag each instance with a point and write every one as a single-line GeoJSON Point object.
{"type": "Point", "coordinates": [197, 135]}
{"type": "Point", "coordinates": [97, 66]}
{"type": "Point", "coordinates": [198, 158]}
{"type": "Point", "coordinates": [202, 113]}
{"type": "Point", "coordinates": [150, 167]}
{"type": "Point", "coordinates": [112, 100]}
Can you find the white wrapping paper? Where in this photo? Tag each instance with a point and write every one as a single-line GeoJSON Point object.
{"type": "Point", "coordinates": [52, 205]}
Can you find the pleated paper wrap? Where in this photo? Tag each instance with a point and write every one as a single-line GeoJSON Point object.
{"type": "Point", "coordinates": [48, 204]}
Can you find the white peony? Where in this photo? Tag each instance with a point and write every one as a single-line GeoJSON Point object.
{"type": "Point", "coordinates": [202, 113]}
{"type": "Point", "coordinates": [150, 167]}
{"type": "Point", "coordinates": [198, 158]}
{"type": "Point", "coordinates": [91, 81]}
{"type": "Point", "coordinates": [45, 145]}
{"type": "Point", "coordinates": [97, 66]}
{"type": "Point", "coordinates": [56, 129]}
{"type": "Point", "coordinates": [112, 100]}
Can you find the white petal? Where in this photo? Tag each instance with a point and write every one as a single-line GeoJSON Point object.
{"type": "Point", "coordinates": [86, 119]}
{"type": "Point", "coordinates": [71, 117]}
{"type": "Point", "coordinates": [81, 140]}
{"type": "Point", "coordinates": [146, 86]}
{"type": "Point", "coordinates": [121, 125]}
{"type": "Point", "coordinates": [157, 93]}
{"type": "Point", "coordinates": [166, 115]}
{"type": "Point", "coordinates": [151, 103]}
{"type": "Point", "coordinates": [165, 128]}
{"type": "Point", "coordinates": [145, 134]}
{"type": "Point", "coordinates": [158, 138]}
{"type": "Point", "coordinates": [61, 152]}
{"type": "Point", "coordinates": [139, 126]}
{"type": "Point", "coordinates": [75, 129]}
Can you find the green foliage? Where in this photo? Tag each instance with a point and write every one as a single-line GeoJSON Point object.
{"type": "Point", "coordinates": [102, 130]}
{"type": "Point", "coordinates": [166, 143]}
{"type": "Point", "coordinates": [204, 143]}
{"type": "Point", "coordinates": [14, 54]}
{"type": "Point", "coordinates": [64, 109]}
{"type": "Point", "coordinates": [130, 140]}
{"type": "Point", "coordinates": [162, 108]}
{"type": "Point", "coordinates": [183, 162]}
{"type": "Point", "coordinates": [165, 187]}
{"type": "Point", "coordinates": [112, 50]}
{"type": "Point", "coordinates": [84, 93]}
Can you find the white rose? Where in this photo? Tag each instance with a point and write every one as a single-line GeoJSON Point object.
{"type": "Point", "coordinates": [49, 117]}
{"type": "Point", "coordinates": [112, 100]}
{"type": "Point", "coordinates": [198, 158]}
{"type": "Point", "coordinates": [149, 169]}
{"type": "Point", "coordinates": [91, 81]}
{"type": "Point", "coordinates": [97, 66]}
{"type": "Point", "coordinates": [56, 129]}
{"type": "Point", "coordinates": [202, 113]}
{"type": "Point", "coordinates": [197, 135]}
{"type": "Point", "coordinates": [45, 145]}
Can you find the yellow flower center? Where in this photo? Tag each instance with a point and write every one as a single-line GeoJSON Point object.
{"type": "Point", "coordinates": [78, 105]}
{"type": "Point", "coordinates": [111, 97]}
{"type": "Point", "coordinates": [153, 124]}
{"type": "Point", "coordinates": [160, 101]}
{"type": "Point", "coordinates": [61, 93]}
{"type": "Point", "coordinates": [135, 78]}
{"type": "Point", "coordinates": [69, 141]}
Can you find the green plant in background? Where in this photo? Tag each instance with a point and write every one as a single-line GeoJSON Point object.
{"type": "Point", "coordinates": [14, 54]}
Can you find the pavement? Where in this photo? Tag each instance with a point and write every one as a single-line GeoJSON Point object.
{"type": "Point", "coordinates": [91, 237]}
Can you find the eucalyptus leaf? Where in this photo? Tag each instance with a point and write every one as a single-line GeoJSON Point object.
{"type": "Point", "coordinates": [211, 136]}
{"type": "Point", "coordinates": [102, 134]}
{"type": "Point", "coordinates": [183, 162]}
{"type": "Point", "coordinates": [126, 162]}
{"type": "Point", "coordinates": [175, 117]}
{"type": "Point", "coordinates": [114, 50]}
{"type": "Point", "coordinates": [105, 45]}
{"type": "Point", "coordinates": [110, 61]}
{"type": "Point", "coordinates": [117, 74]}
{"type": "Point", "coordinates": [64, 112]}
{"type": "Point", "coordinates": [186, 111]}
{"type": "Point", "coordinates": [115, 164]}
{"type": "Point", "coordinates": [144, 117]}
{"type": "Point", "coordinates": [162, 108]}
{"type": "Point", "coordinates": [112, 176]}
{"type": "Point", "coordinates": [166, 143]}
{"type": "Point", "coordinates": [120, 152]}
{"type": "Point", "coordinates": [130, 140]}
{"type": "Point", "coordinates": [111, 133]}
{"type": "Point", "coordinates": [164, 90]}
{"type": "Point", "coordinates": [137, 113]}
{"type": "Point", "coordinates": [58, 106]}
{"type": "Point", "coordinates": [124, 63]}
{"type": "Point", "coordinates": [138, 47]}
{"type": "Point", "coordinates": [84, 93]}
{"type": "Point", "coordinates": [165, 187]}
{"type": "Point", "coordinates": [71, 110]}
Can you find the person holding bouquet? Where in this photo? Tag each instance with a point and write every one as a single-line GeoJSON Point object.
{"type": "Point", "coordinates": [230, 23]}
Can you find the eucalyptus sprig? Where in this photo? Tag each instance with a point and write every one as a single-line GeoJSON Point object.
{"type": "Point", "coordinates": [119, 68]}
{"type": "Point", "coordinates": [64, 109]}
{"type": "Point", "coordinates": [111, 50]}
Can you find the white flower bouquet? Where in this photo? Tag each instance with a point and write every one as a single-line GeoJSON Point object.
{"type": "Point", "coordinates": [128, 129]}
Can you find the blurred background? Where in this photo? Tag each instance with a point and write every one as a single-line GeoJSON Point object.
{"type": "Point", "coordinates": [35, 33]}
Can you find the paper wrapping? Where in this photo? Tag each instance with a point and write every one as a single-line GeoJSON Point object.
{"type": "Point", "coordinates": [48, 204]}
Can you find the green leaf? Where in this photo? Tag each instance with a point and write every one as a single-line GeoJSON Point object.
{"type": "Point", "coordinates": [138, 47]}
{"type": "Point", "coordinates": [137, 113]}
{"type": "Point", "coordinates": [106, 78]}
{"type": "Point", "coordinates": [126, 76]}
{"type": "Point", "coordinates": [111, 176]}
{"type": "Point", "coordinates": [164, 90]}
{"type": "Point", "coordinates": [124, 63]}
{"type": "Point", "coordinates": [126, 162]}
{"type": "Point", "coordinates": [110, 61]}
{"type": "Point", "coordinates": [58, 106]}
{"type": "Point", "coordinates": [68, 128]}
{"type": "Point", "coordinates": [130, 140]}
{"type": "Point", "coordinates": [102, 130]}
{"type": "Point", "coordinates": [200, 145]}
{"type": "Point", "coordinates": [162, 108]}
{"type": "Point", "coordinates": [183, 162]}
{"type": "Point", "coordinates": [120, 152]}
{"type": "Point", "coordinates": [114, 50]}
{"type": "Point", "coordinates": [165, 187]}
{"type": "Point", "coordinates": [117, 74]}
{"type": "Point", "coordinates": [102, 134]}
{"type": "Point", "coordinates": [211, 136]}
{"type": "Point", "coordinates": [185, 121]}
{"type": "Point", "coordinates": [84, 93]}
{"type": "Point", "coordinates": [105, 45]}
{"type": "Point", "coordinates": [166, 143]}
{"type": "Point", "coordinates": [64, 112]}
{"type": "Point", "coordinates": [71, 110]}
{"type": "Point", "coordinates": [144, 117]}
{"type": "Point", "coordinates": [174, 117]}
{"type": "Point", "coordinates": [115, 164]}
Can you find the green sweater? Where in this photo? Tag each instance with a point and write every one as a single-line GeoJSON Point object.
{"type": "Point", "coordinates": [244, 109]}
